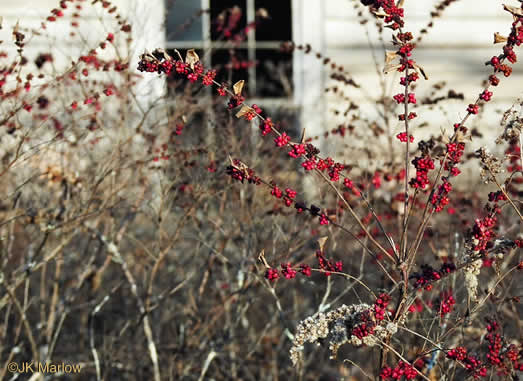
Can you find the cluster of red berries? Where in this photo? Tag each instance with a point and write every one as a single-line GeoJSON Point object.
{"type": "Point", "coordinates": [266, 126]}
{"type": "Point", "coordinates": [366, 321]}
{"type": "Point", "coordinates": [288, 197]}
{"type": "Point", "coordinates": [380, 306]}
{"type": "Point", "coordinates": [500, 356]}
{"type": "Point", "coordinates": [400, 98]}
{"type": "Point", "coordinates": [282, 140]}
{"type": "Point", "coordinates": [333, 169]}
{"type": "Point", "coordinates": [417, 306]}
{"type": "Point", "coordinates": [326, 265]}
{"type": "Point", "coordinates": [297, 150]}
{"type": "Point", "coordinates": [350, 184]}
{"type": "Point", "coordinates": [445, 303]}
{"type": "Point", "coordinates": [429, 275]}
{"type": "Point", "coordinates": [500, 67]}
{"type": "Point", "coordinates": [402, 137]}
{"type": "Point", "coordinates": [440, 198]}
{"type": "Point", "coordinates": [496, 196]}
{"type": "Point", "coordinates": [455, 152]}
{"type": "Point", "coordinates": [241, 174]}
{"type": "Point", "coordinates": [504, 358]}
{"type": "Point", "coordinates": [402, 369]}
{"type": "Point", "coordinates": [411, 116]}
{"type": "Point", "coordinates": [56, 13]}
{"type": "Point", "coordinates": [472, 363]}
{"type": "Point", "coordinates": [394, 14]}
{"type": "Point", "coordinates": [483, 232]}
{"type": "Point", "coordinates": [235, 101]}
{"type": "Point", "coordinates": [289, 272]}
{"type": "Point", "coordinates": [423, 165]}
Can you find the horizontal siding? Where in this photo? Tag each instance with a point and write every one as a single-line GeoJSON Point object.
{"type": "Point", "coordinates": [463, 72]}
{"type": "Point", "coordinates": [95, 23]}
{"type": "Point", "coordinates": [461, 32]}
{"type": "Point", "coordinates": [454, 51]}
{"type": "Point", "coordinates": [421, 9]}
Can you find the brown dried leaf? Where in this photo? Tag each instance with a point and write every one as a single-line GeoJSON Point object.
{"type": "Point", "coordinates": [191, 58]}
{"type": "Point", "coordinates": [420, 69]}
{"type": "Point", "coordinates": [518, 12]}
{"type": "Point", "coordinates": [262, 12]}
{"type": "Point", "coordinates": [442, 253]}
{"type": "Point", "coordinates": [380, 14]}
{"type": "Point", "coordinates": [321, 242]}
{"type": "Point", "coordinates": [391, 67]}
{"type": "Point", "coordinates": [163, 53]}
{"type": "Point", "coordinates": [244, 110]}
{"type": "Point", "coordinates": [390, 56]}
{"type": "Point", "coordinates": [444, 137]}
{"type": "Point", "coordinates": [238, 87]}
{"type": "Point", "coordinates": [261, 258]}
{"type": "Point", "coordinates": [498, 38]}
{"type": "Point", "coordinates": [1, 21]}
{"type": "Point", "coordinates": [302, 139]}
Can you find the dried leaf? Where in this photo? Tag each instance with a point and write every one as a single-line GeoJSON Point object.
{"type": "Point", "coordinates": [461, 137]}
{"type": "Point", "coordinates": [391, 67]}
{"type": "Point", "coordinates": [261, 258]}
{"type": "Point", "coordinates": [390, 56]}
{"type": "Point", "coordinates": [262, 12]}
{"type": "Point", "coordinates": [400, 5]}
{"type": "Point", "coordinates": [1, 21]}
{"type": "Point", "coordinates": [499, 38]}
{"type": "Point", "coordinates": [321, 242]}
{"type": "Point", "coordinates": [244, 110]}
{"type": "Point", "coordinates": [380, 14]}
{"type": "Point", "coordinates": [442, 253]}
{"type": "Point", "coordinates": [162, 53]}
{"type": "Point", "coordinates": [238, 87]}
{"type": "Point", "coordinates": [444, 137]}
{"type": "Point", "coordinates": [332, 217]}
{"type": "Point", "coordinates": [518, 12]}
{"type": "Point", "coordinates": [191, 58]}
{"type": "Point", "coordinates": [420, 69]}
{"type": "Point", "coordinates": [302, 139]}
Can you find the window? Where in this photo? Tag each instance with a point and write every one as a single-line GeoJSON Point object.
{"type": "Point", "coordinates": [239, 38]}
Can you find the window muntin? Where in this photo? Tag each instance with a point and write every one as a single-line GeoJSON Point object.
{"type": "Point", "coordinates": [266, 70]}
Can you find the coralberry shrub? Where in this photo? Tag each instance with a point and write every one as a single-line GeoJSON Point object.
{"type": "Point", "coordinates": [185, 230]}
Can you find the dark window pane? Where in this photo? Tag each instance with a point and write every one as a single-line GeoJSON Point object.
{"type": "Point", "coordinates": [279, 26]}
{"type": "Point", "coordinates": [228, 18]}
{"type": "Point", "coordinates": [232, 66]}
{"type": "Point", "coordinates": [183, 20]}
{"type": "Point", "coordinates": [273, 73]}
{"type": "Point", "coordinates": [286, 119]}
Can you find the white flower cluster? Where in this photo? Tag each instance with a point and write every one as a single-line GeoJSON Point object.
{"type": "Point", "coordinates": [336, 327]}
{"type": "Point", "coordinates": [471, 273]}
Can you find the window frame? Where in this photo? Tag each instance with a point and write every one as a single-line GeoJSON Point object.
{"type": "Point", "coordinates": [251, 45]}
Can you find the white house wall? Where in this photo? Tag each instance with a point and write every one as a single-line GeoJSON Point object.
{"type": "Point", "coordinates": [455, 51]}
{"type": "Point", "coordinates": [146, 17]}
